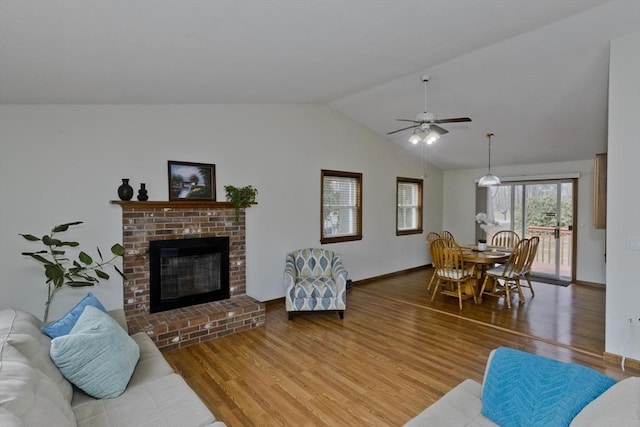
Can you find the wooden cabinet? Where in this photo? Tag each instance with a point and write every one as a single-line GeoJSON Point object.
{"type": "Point", "coordinates": [600, 191]}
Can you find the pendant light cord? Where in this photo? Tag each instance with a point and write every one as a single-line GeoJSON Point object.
{"type": "Point", "coordinates": [489, 135]}
{"type": "Point", "coordinates": [425, 96]}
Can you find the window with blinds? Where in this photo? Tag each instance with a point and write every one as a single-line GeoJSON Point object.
{"type": "Point", "coordinates": [341, 206]}
{"type": "Point", "coordinates": [408, 206]}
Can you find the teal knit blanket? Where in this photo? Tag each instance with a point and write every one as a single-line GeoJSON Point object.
{"type": "Point", "coordinates": [523, 389]}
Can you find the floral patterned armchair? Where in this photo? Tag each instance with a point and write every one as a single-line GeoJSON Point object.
{"type": "Point", "coordinates": [315, 280]}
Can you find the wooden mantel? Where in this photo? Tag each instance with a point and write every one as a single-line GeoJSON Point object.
{"type": "Point", "coordinates": [184, 204]}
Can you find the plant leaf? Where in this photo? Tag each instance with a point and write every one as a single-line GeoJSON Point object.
{"type": "Point", "coordinates": [51, 242]}
{"type": "Point", "coordinates": [101, 274]}
{"type": "Point", "coordinates": [72, 244]}
{"type": "Point", "coordinates": [31, 253]}
{"type": "Point", "coordinates": [78, 284]}
{"type": "Point", "coordinates": [99, 253]}
{"type": "Point", "coordinates": [85, 258]}
{"type": "Point", "coordinates": [41, 259]}
{"type": "Point", "coordinates": [55, 273]}
{"type": "Point", "coordinates": [30, 237]}
{"type": "Point", "coordinates": [117, 249]}
{"type": "Point", "coordinates": [120, 272]}
{"type": "Point", "coordinates": [65, 227]}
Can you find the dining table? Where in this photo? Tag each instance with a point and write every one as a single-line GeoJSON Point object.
{"type": "Point", "coordinates": [484, 260]}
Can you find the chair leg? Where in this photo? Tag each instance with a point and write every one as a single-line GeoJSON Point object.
{"type": "Point", "coordinates": [460, 294]}
{"type": "Point", "coordinates": [484, 284]}
{"type": "Point", "coordinates": [520, 293]}
{"type": "Point", "coordinates": [435, 289]}
{"type": "Point", "coordinates": [507, 294]}
{"type": "Point", "coordinates": [341, 314]}
{"type": "Point", "coordinates": [433, 277]}
{"type": "Point", "coordinates": [473, 291]}
{"type": "Point", "coordinates": [526, 275]}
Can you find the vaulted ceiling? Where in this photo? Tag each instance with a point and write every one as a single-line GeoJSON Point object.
{"type": "Point", "coordinates": [535, 73]}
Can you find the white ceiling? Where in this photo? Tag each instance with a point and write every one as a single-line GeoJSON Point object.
{"type": "Point", "coordinates": [532, 72]}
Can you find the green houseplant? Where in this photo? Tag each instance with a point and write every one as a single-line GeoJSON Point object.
{"type": "Point", "coordinates": [241, 197]}
{"type": "Point", "coordinates": [61, 271]}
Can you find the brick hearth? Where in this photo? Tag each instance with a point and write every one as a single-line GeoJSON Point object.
{"type": "Point", "coordinates": [143, 222]}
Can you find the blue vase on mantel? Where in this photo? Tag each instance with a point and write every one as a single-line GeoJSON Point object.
{"type": "Point", "coordinates": [125, 191]}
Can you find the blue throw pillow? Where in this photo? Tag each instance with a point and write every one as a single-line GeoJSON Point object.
{"type": "Point", "coordinates": [65, 323]}
{"type": "Point", "coordinates": [97, 355]}
{"type": "Point", "coordinates": [523, 389]}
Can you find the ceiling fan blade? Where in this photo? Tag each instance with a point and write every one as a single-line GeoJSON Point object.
{"type": "Point", "coordinates": [453, 120]}
{"type": "Point", "coordinates": [408, 120]}
{"type": "Point", "coordinates": [441, 131]}
{"type": "Point", "coordinates": [400, 130]}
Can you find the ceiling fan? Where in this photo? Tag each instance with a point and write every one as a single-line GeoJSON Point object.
{"type": "Point", "coordinates": [425, 127]}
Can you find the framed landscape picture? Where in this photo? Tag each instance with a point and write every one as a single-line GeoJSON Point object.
{"type": "Point", "coordinates": [191, 181]}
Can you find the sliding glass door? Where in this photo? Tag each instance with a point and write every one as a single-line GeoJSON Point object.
{"type": "Point", "coordinates": [538, 208]}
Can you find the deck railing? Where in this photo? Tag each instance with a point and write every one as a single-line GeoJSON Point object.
{"type": "Point", "coordinates": [547, 247]}
{"type": "Point", "coordinates": [546, 255]}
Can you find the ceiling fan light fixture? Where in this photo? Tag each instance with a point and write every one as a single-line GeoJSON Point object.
{"type": "Point", "coordinates": [431, 137]}
{"type": "Point", "coordinates": [415, 138]}
{"type": "Point", "coordinates": [489, 180]}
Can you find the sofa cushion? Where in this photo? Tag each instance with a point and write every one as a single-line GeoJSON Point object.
{"type": "Point", "coordinates": [27, 396]}
{"type": "Point", "coordinates": [22, 331]}
{"type": "Point", "coordinates": [152, 363]}
{"type": "Point", "coordinates": [165, 401]}
{"type": "Point", "coordinates": [63, 325]}
{"type": "Point", "coordinates": [526, 389]}
{"type": "Point", "coordinates": [459, 407]}
{"type": "Point", "coordinates": [97, 355]}
{"type": "Point", "coordinates": [619, 406]}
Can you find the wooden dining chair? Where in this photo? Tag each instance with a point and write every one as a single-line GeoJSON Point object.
{"type": "Point", "coordinates": [531, 256]}
{"type": "Point", "coordinates": [505, 239]}
{"type": "Point", "coordinates": [506, 278]}
{"type": "Point", "coordinates": [451, 272]}
{"type": "Point", "coordinates": [447, 235]}
{"type": "Point", "coordinates": [430, 238]}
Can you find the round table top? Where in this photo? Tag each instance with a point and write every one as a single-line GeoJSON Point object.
{"type": "Point", "coordinates": [490, 256]}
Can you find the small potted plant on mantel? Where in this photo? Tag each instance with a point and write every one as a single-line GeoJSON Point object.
{"type": "Point", "coordinates": [241, 197]}
{"type": "Point", "coordinates": [61, 271]}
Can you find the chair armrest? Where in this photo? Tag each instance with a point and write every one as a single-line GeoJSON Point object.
{"type": "Point", "coordinates": [338, 272]}
{"type": "Point", "coordinates": [290, 272]}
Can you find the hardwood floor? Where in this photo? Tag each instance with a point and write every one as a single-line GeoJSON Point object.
{"type": "Point", "coordinates": [391, 356]}
{"type": "Point", "coordinates": [571, 316]}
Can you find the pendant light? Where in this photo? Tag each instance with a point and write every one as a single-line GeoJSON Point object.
{"type": "Point", "coordinates": [489, 180]}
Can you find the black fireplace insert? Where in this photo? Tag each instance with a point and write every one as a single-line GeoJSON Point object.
{"type": "Point", "coordinates": [188, 272]}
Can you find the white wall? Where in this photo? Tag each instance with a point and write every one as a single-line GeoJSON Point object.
{"type": "Point", "coordinates": [623, 197]}
{"type": "Point", "coordinates": [64, 163]}
{"type": "Point", "coordinates": [460, 201]}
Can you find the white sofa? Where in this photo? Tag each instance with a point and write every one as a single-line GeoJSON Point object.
{"type": "Point", "coordinates": [33, 392]}
{"type": "Point", "coordinates": [618, 406]}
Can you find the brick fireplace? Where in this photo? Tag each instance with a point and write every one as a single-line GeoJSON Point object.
{"type": "Point", "coordinates": [143, 222]}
